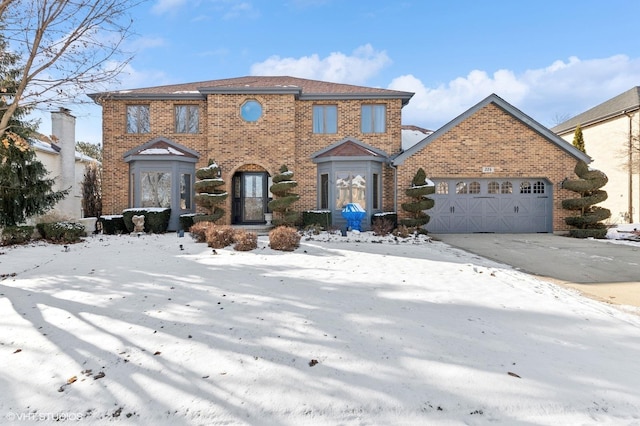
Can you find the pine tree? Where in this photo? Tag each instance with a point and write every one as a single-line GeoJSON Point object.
{"type": "Point", "coordinates": [283, 183]}
{"type": "Point", "coordinates": [418, 191]}
{"type": "Point", "coordinates": [578, 139]}
{"type": "Point", "coordinates": [25, 190]}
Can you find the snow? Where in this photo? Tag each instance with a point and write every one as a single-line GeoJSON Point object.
{"type": "Point", "coordinates": [351, 330]}
{"type": "Point", "coordinates": [161, 151]}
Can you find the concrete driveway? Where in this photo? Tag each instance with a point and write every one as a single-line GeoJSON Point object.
{"type": "Point", "coordinates": [602, 269]}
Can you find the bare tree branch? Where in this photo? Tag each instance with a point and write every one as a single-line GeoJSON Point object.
{"type": "Point", "coordinates": [68, 47]}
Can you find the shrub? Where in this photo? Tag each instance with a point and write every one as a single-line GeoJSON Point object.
{"type": "Point", "coordinates": [245, 241]}
{"type": "Point", "coordinates": [316, 217]}
{"type": "Point", "coordinates": [199, 231]}
{"type": "Point", "coordinates": [16, 235]}
{"type": "Point", "coordinates": [284, 238]}
{"type": "Point", "coordinates": [155, 220]}
{"type": "Point", "coordinates": [382, 226]}
{"type": "Point", "coordinates": [402, 231]}
{"type": "Point", "coordinates": [314, 229]}
{"type": "Point", "coordinates": [63, 232]}
{"type": "Point", "coordinates": [112, 225]}
{"type": "Point", "coordinates": [219, 236]}
{"type": "Point", "coordinates": [187, 220]}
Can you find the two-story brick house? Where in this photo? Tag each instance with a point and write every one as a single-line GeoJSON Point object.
{"type": "Point", "coordinates": [342, 142]}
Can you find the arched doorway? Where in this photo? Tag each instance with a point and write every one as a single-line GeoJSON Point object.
{"type": "Point", "coordinates": [250, 195]}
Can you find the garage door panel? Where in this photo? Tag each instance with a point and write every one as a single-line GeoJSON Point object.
{"type": "Point", "coordinates": [503, 205]}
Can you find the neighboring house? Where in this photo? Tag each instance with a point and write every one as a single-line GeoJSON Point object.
{"type": "Point", "coordinates": [611, 131]}
{"type": "Point", "coordinates": [66, 165]}
{"type": "Point", "coordinates": [343, 144]}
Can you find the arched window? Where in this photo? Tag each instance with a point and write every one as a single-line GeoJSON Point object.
{"type": "Point", "coordinates": [493, 188]}
{"type": "Point", "coordinates": [442, 188]}
{"type": "Point", "coordinates": [525, 187]}
{"type": "Point", "coordinates": [461, 188]}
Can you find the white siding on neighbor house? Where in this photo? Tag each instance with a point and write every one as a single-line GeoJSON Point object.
{"type": "Point", "coordinates": [608, 144]}
{"type": "Point", "coordinates": [51, 161]}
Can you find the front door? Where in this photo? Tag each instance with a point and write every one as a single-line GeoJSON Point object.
{"type": "Point", "coordinates": [250, 197]}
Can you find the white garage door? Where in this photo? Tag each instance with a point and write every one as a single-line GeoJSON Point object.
{"type": "Point", "coordinates": [491, 205]}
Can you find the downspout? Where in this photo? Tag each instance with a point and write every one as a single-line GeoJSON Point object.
{"type": "Point", "coordinates": [395, 186]}
{"type": "Point", "coordinates": [630, 165]}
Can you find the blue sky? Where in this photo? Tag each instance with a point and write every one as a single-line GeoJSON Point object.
{"type": "Point", "coordinates": [550, 58]}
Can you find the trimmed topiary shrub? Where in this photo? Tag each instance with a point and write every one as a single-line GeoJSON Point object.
{"type": "Point", "coordinates": [284, 238]}
{"type": "Point", "coordinates": [16, 235]}
{"type": "Point", "coordinates": [209, 194]}
{"type": "Point", "coordinates": [245, 241]}
{"type": "Point", "coordinates": [317, 217]}
{"type": "Point", "coordinates": [283, 184]}
{"type": "Point", "coordinates": [589, 216]}
{"type": "Point", "coordinates": [418, 191]}
{"type": "Point", "coordinates": [112, 224]}
{"type": "Point", "coordinates": [219, 236]}
{"type": "Point", "coordinates": [63, 232]}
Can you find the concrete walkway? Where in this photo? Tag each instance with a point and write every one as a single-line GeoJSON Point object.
{"type": "Point", "coordinates": [600, 269]}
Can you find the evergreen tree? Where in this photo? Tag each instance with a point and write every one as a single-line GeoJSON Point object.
{"type": "Point", "coordinates": [208, 193]}
{"type": "Point", "coordinates": [283, 183]}
{"type": "Point", "coordinates": [587, 223]}
{"type": "Point", "coordinates": [25, 190]}
{"type": "Point", "coordinates": [578, 140]}
{"type": "Point", "coordinates": [418, 191]}
{"type": "Point", "coordinates": [91, 190]}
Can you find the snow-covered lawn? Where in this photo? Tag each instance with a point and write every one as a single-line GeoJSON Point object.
{"type": "Point", "coordinates": [355, 330]}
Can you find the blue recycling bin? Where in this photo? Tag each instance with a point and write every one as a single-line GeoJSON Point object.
{"type": "Point", "coordinates": [354, 214]}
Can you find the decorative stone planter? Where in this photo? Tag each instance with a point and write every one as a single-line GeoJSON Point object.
{"type": "Point", "coordinates": [268, 217]}
{"type": "Point", "coordinates": [89, 224]}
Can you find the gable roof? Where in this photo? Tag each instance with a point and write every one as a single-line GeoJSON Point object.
{"type": "Point", "coordinates": [349, 149]}
{"type": "Point", "coordinates": [509, 109]}
{"type": "Point", "coordinates": [624, 102]}
{"type": "Point", "coordinates": [161, 149]}
{"type": "Point", "coordinates": [300, 87]}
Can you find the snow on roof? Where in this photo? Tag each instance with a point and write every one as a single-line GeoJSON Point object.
{"type": "Point", "coordinates": [161, 151]}
{"type": "Point", "coordinates": [411, 135]}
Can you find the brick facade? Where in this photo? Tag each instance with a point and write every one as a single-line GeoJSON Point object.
{"type": "Point", "coordinates": [283, 135]}
{"type": "Point", "coordinates": [492, 137]}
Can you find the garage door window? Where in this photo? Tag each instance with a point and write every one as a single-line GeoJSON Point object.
{"type": "Point", "coordinates": [506, 188]}
{"type": "Point", "coordinates": [461, 188]}
{"type": "Point", "coordinates": [493, 188]}
{"type": "Point", "coordinates": [525, 188]}
{"type": "Point", "coordinates": [442, 188]}
{"type": "Point", "coordinates": [474, 188]}
{"type": "Point", "coordinates": [538, 187]}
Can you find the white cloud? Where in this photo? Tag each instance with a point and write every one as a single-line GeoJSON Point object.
{"type": "Point", "coordinates": [363, 63]}
{"type": "Point", "coordinates": [164, 6]}
{"type": "Point", "coordinates": [564, 88]}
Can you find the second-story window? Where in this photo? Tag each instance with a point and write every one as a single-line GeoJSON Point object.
{"type": "Point", "coordinates": [374, 119]}
{"type": "Point", "coordinates": [325, 119]}
{"type": "Point", "coordinates": [187, 118]}
{"type": "Point", "coordinates": [138, 119]}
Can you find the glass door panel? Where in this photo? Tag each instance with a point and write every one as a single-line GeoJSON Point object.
{"type": "Point", "coordinates": [253, 197]}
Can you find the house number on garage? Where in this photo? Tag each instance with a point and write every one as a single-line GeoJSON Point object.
{"type": "Point", "coordinates": [487, 170]}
